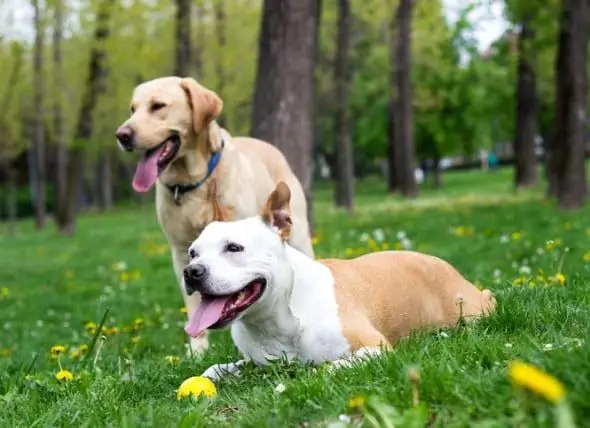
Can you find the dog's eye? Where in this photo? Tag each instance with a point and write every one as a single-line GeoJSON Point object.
{"type": "Point", "coordinates": [157, 106]}
{"type": "Point", "coordinates": [192, 253]}
{"type": "Point", "coordinates": [233, 248]}
{"type": "Point", "coordinates": [132, 109]}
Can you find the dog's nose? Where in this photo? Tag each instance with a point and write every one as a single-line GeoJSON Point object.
{"type": "Point", "coordinates": [125, 136]}
{"type": "Point", "coordinates": [194, 274]}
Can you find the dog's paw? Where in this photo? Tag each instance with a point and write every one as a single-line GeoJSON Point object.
{"type": "Point", "coordinates": [197, 346]}
{"type": "Point", "coordinates": [217, 371]}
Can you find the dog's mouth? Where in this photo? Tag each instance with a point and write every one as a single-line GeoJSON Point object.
{"type": "Point", "coordinates": [218, 311]}
{"type": "Point", "coordinates": [153, 162]}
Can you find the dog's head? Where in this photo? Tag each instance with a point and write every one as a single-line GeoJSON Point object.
{"type": "Point", "coordinates": [168, 117]}
{"type": "Point", "coordinates": [239, 267]}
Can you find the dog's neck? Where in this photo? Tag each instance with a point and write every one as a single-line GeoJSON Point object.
{"type": "Point", "coordinates": [189, 168]}
{"type": "Point", "coordinates": [282, 321]}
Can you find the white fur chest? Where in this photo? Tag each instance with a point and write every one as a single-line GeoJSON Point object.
{"type": "Point", "coordinates": [306, 327]}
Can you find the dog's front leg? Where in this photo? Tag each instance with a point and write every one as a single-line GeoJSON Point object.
{"type": "Point", "coordinates": [359, 356]}
{"type": "Point", "coordinates": [217, 371]}
{"type": "Point", "coordinates": [196, 345]}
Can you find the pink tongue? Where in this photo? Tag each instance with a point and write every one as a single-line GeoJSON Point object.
{"type": "Point", "coordinates": [207, 314]}
{"type": "Point", "coordinates": [146, 173]}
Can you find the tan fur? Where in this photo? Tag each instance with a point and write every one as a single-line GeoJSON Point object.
{"type": "Point", "coordinates": [248, 170]}
{"type": "Point", "coordinates": [383, 296]}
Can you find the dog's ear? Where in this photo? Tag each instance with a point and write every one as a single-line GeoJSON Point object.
{"type": "Point", "coordinates": [204, 103]}
{"type": "Point", "coordinates": [277, 210]}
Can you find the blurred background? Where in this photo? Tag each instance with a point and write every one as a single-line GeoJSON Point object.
{"type": "Point", "coordinates": [397, 90]}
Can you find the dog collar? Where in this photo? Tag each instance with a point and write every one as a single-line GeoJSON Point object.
{"type": "Point", "coordinates": [178, 190]}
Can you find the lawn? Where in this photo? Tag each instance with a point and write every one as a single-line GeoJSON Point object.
{"type": "Point", "coordinates": [55, 291]}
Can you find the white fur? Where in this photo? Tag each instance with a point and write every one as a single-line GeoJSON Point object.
{"type": "Point", "coordinates": [296, 317]}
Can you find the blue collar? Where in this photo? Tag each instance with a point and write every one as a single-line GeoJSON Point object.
{"type": "Point", "coordinates": [180, 189]}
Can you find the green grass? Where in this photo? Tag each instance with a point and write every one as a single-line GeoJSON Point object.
{"type": "Point", "coordinates": [57, 284]}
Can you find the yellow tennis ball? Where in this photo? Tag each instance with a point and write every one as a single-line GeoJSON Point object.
{"type": "Point", "coordinates": [196, 386]}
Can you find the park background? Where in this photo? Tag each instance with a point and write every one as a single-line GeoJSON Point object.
{"type": "Point", "coordinates": [456, 128]}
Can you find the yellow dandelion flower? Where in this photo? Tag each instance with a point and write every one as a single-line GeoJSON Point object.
{"type": "Point", "coordinates": [356, 402]}
{"type": "Point", "coordinates": [90, 327]}
{"type": "Point", "coordinates": [79, 351]}
{"type": "Point", "coordinates": [348, 252]}
{"type": "Point", "coordinates": [172, 359]}
{"type": "Point", "coordinates": [587, 256]}
{"type": "Point", "coordinates": [124, 277]}
{"type": "Point", "coordinates": [560, 278]}
{"type": "Point", "coordinates": [136, 339]}
{"type": "Point", "coordinates": [183, 311]}
{"type": "Point", "coordinates": [64, 375]}
{"type": "Point", "coordinates": [516, 236]}
{"type": "Point", "coordinates": [372, 245]}
{"type": "Point", "coordinates": [4, 293]}
{"type": "Point", "coordinates": [113, 330]}
{"type": "Point", "coordinates": [196, 386]}
{"type": "Point", "coordinates": [135, 275]}
{"type": "Point", "coordinates": [57, 350]}
{"type": "Point", "coordinates": [533, 379]}
{"type": "Point", "coordinates": [315, 240]}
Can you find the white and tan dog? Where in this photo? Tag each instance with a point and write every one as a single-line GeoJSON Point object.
{"type": "Point", "coordinates": [200, 172]}
{"type": "Point", "coordinates": [281, 303]}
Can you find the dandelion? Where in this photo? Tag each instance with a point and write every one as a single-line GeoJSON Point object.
{"type": "Point", "coordinates": [172, 359]}
{"type": "Point", "coordinates": [4, 293]}
{"type": "Point", "coordinates": [79, 351]}
{"type": "Point", "coordinates": [135, 275]}
{"type": "Point", "coordinates": [537, 381]}
{"type": "Point", "coordinates": [315, 240]}
{"type": "Point", "coordinates": [138, 323]}
{"type": "Point", "coordinates": [124, 277]}
{"type": "Point", "coordinates": [64, 375]}
{"type": "Point", "coordinates": [516, 236]}
{"type": "Point", "coordinates": [356, 402]}
{"type": "Point", "coordinates": [136, 339]}
{"type": "Point", "coordinates": [90, 327]}
{"type": "Point", "coordinates": [349, 252]}
{"type": "Point", "coordinates": [196, 386]}
{"type": "Point", "coordinates": [57, 350]}
{"type": "Point", "coordinates": [183, 311]}
{"type": "Point", "coordinates": [587, 256]}
{"type": "Point", "coordinates": [559, 278]}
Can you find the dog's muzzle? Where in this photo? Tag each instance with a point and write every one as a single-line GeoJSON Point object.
{"type": "Point", "coordinates": [195, 276]}
{"type": "Point", "coordinates": [126, 138]}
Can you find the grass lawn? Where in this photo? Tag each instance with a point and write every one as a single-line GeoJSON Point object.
{"type": "Point", "coordinates": [55, 290]}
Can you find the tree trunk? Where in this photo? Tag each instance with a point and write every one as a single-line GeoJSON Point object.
{"type": "Point", "coordinates": [436, 172]}
{"type": "Point", "coordinates": [283, 110]}
{"type": "Point", "coordinates": [182, 65]}
{"type": "Point", "coordinates": [525, 171]}
{"type": "Point", "coordinates": [61, 154]}
{"type": "Point", "coordinates": [198, 51]}
{"type": "Point", "coordinates": [95, 85]}
{"type": "Point", "coordinates": [570, 105]}
{"type": "Point", "coordinates": [404, 114]}
{"type": "Point", "coordinates": [392, 169]}
{"type": "Point", "coordinates": [39, 119]}
{"type": "Point", "coordinates": [344, 192]}
{"type": "Point", "coordinates": [221, 52]}
{"type": "Point", "coordinates": [105, 181]}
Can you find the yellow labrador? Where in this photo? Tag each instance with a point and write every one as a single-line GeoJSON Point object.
{"type": "Point", "coordinates": [200, 172]}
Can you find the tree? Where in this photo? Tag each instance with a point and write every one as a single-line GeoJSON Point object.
{"type": "Point", "coordinates": [221, 52]}
{"type": "Point", "coordinates": [183, 64]}
{"type": "Point", "coordinates": [283, 97]}
{"type": "Point", "coordinates": [59, 131]}
{"type": "Point", "coordinates": [65, 215]}
{"type": "Point", "coordinates": [403, 116]}
{"type": "Point", "coordinates": [9, 147]}
{"type": "Point", "coordinates": [567, 152]}
{"type": "Point", "coordinates": [344, 192]}
{"type": "Point", "coordinates": [525, 160]}
{"type": "Point", "coordinates": [38, 172]}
